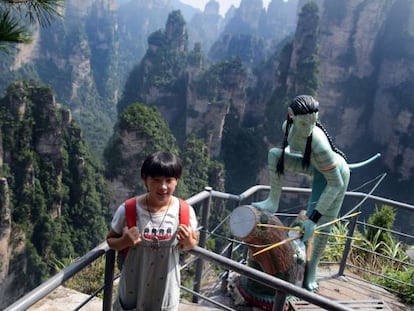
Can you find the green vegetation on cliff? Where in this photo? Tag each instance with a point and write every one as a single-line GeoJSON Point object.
{"type": "Point", "coordinates": [163, 66]}
{"type": "Point", "coordinates": [140, 131]}
{"type": "Point", "coordinates": [56, 188]}
{"type": "Point", "coordinates": [139, 126]}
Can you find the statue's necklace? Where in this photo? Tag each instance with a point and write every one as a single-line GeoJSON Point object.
{"type": "Point", "coordinates": [155, 244]}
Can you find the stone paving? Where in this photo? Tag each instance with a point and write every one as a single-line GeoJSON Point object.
{"type": "Point", "coordinates": [64, 299]}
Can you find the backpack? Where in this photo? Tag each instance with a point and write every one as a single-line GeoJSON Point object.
{"type": "Point", "coordinates": [131, 220]}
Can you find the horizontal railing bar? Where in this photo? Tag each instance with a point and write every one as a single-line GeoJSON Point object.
{"type": "Point", "coordinates": [385, 229]}
{"type": "Point", "coordinates": [198, 197]}
{"type": "Point", "coordinates": [54, 282]}
{"type": "Point", "coordinates": [256, 188]}
{"type": "Point", "coordinates": [269, 280]}
{"type": "Point", "coordinates": [358, 195]}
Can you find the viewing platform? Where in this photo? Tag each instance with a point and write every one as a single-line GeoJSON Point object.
{"type": "Point", "coordinates": [348, 288]}
{"type": "Point", "coordinates": [341, 285]}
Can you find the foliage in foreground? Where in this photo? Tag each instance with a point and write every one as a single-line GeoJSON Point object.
{"type": "Point", "coordinates": [89, 279]}
{"type": "Point", "coordinates": [393, 281]}
{"type": "Point", "coordinates": [15, 16]}
{"type": "Point", "coordinates": [376, 250]}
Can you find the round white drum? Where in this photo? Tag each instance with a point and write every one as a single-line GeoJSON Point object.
{"type": "Point", "coordinates": [243, 221]}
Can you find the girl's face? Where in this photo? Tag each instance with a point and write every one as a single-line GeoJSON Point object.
{"type": "Point", "coordinates": [304, 123]}
{"type": "Point", "coordinates": [161, 188]}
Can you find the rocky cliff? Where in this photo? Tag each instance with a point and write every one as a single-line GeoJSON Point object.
{"type": "Point", "coordinates": [86, 56]}
{"type": "Point", "coordinates": [191, 97]}
{"type": "Point", "coordinates": [204, 27]}
{"type": "Point", "coordinates": [252, 32]}
{"type": "Point", "coordinates": [5, 228]}
{"type": "Point", "coordinates": [53, 201]}
{"type": "Point", "coordinates": [356, 58]}
{"type": "Point", "coordinates": [366, 71]}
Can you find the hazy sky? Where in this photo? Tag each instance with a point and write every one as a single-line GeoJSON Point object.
{"type": "Point", "coordinates": [224, 4]}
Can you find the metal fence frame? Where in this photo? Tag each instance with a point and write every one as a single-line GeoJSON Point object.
{"type": "Point", "coordinates": [205, 198]}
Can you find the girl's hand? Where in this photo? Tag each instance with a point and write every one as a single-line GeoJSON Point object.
{"type": "Point", "coordinates": [131, 236]}
{"type": "Point", "coordinates": [187, 237]}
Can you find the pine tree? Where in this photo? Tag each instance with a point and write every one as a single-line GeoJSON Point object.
{"type": "Point", "coordinates": [15, 15]}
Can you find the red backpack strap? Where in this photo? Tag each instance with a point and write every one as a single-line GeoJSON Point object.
{"type": "Point", "coordinates": [131, 212]}
{"type": "Point", "coordinates": [184, 212]}
{"type": "Point", "coordinates": [131, 220]}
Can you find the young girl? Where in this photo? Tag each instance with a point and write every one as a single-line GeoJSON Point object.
{"type": "Point", "coordinates": [150, 276]}
{"type": "Point", "coordinates": [308, 149]}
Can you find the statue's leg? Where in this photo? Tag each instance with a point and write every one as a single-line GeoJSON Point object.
{"type": "Point", "coordinates": [271, 204]}
{"type": "Point", "coordinates": [319, 242]}
{"type": "Point", "coordinates": [318, 185]}
{"type": "Point", "coordinates": [318, 247]}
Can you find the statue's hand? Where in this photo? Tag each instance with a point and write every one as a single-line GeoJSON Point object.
{"type": "Point", "coordinates": [309, 230]}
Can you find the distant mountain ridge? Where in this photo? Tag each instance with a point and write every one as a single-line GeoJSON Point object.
{"type": "Point", "coordinates": [87, 56]}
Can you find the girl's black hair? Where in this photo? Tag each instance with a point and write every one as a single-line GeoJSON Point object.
{"type": "Point", "coordinates": [303, 104]}
{"type": "Point", "coordinates": [161, 163]}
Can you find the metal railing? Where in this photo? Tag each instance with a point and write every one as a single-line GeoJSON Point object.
{"type": "Point", "coordinates": [203, 203]}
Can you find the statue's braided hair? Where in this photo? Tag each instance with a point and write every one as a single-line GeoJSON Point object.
{"type": "Point", "coordinates": [303, 104]}
{"type": "Point", "coordinates": [334, 148]}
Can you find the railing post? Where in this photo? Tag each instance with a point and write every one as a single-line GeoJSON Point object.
{"type": "Point", "coordinates": [109, 280]}
{"type": "Point", "coordinates": [347, 247]}
{"type": "Point", "coordinates": [225, 278]}
{"type": "Point", "coordinates": [280, 300]}
{"type": "Point", "coordinates": [202, 243]}
{"type": "Point", "coordinates": [228, 254]}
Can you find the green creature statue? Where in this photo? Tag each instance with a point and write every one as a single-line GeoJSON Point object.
{"type": "Point", "coordinates": [308, 149]}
